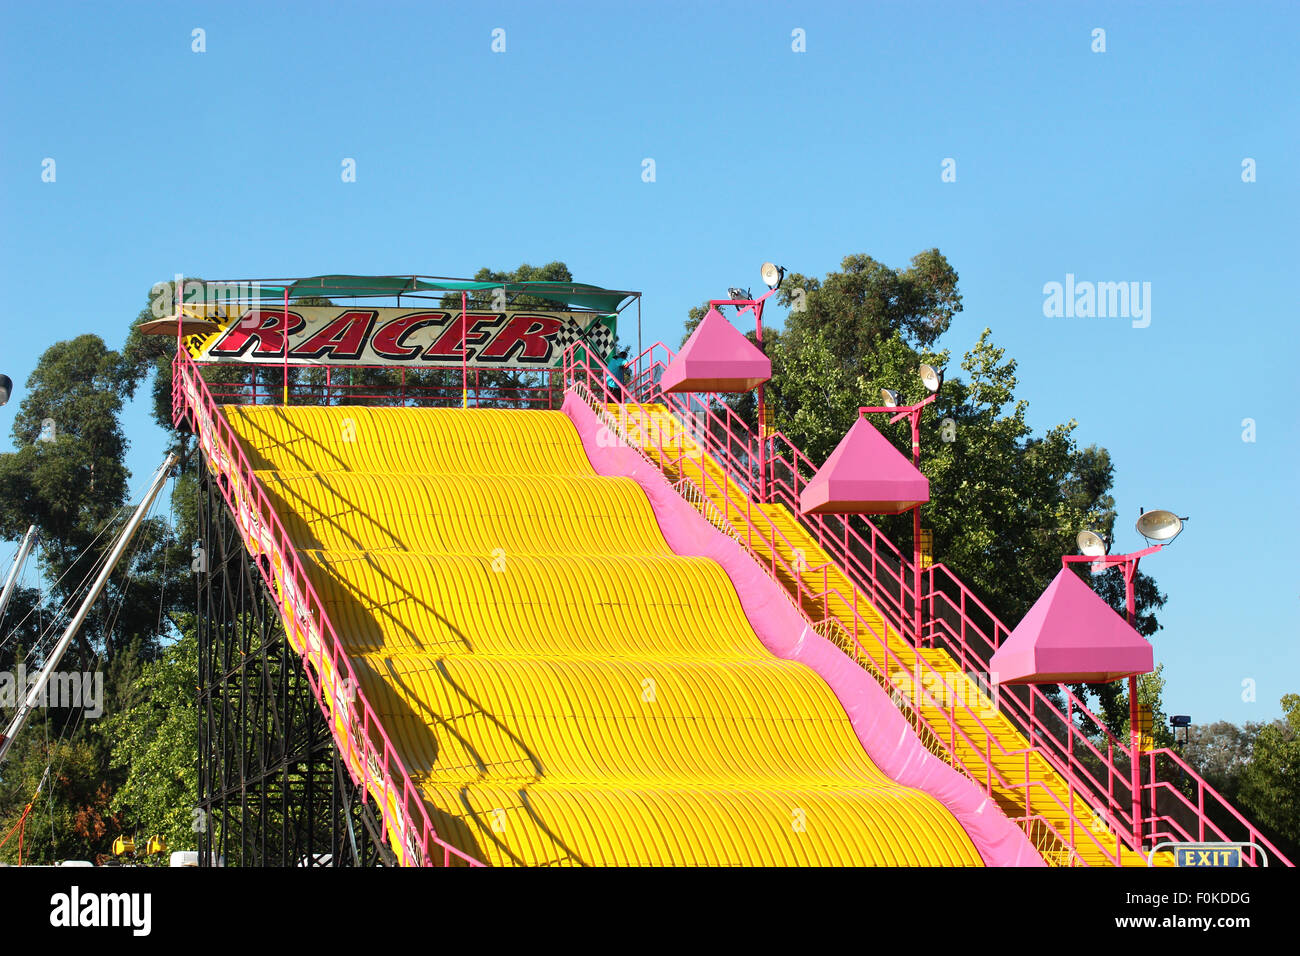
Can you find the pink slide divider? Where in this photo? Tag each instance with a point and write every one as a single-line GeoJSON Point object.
{"type": "Point", "coordinates": [883, 732]}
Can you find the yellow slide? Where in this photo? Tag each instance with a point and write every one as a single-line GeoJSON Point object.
{"type": "Point", "coordinates": [786, 537]}
{"type": "Point", "coordinates": [563, 687]}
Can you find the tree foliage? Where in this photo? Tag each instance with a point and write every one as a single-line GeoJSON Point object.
{"type": "Point", "coordinates": [1256, 766]}
{"type": "Point", "coordinates": [1005, 502]}
{"type": "Point", "coordinates": [68, 476]}
{"type": "Point", "coordinates": [1270, 784]}
{"type": "Point", "coordinates": [153, 746]}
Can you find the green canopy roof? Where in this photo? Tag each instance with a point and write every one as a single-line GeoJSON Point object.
{"type": "Point", "coordinates": [572, 294]}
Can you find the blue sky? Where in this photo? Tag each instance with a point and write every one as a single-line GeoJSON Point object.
{"type": "Point", "coordinates": [1122, 166]}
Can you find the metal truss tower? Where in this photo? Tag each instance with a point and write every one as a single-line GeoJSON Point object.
{"type": "Point", "coordinates": [272, 790]}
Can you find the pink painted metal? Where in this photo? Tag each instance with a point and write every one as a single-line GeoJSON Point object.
{"type": "Point", "coordinates": [865, 474]}
{"type": "Point", "coordinates": [285, 336]}
{"type": "Point", "coordinates": [913, 414]}
{"type": "Point", "coordinates": [1071, 635]}
{"type": "Point", "coordinates": [337, 389]}
{"type": "Point", "coordinates": [716, 358]}
{"type": "Point", "coordinates": [910, 676]}
{"type": "Point", "coordinates": [1128, 563]}
{"type": "Point", "coordinates": [785, 632]}
{"type": "Point", "coordinates": [368, 753]}
{"type": "Point", "coordinates": [1074, 741]}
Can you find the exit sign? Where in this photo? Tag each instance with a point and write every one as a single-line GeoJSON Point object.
{"type": "Point", "coordinates": [1208, 854]}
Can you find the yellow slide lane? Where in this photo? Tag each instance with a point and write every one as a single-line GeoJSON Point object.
{"type": "Point", "coordinates": [666, 434]}
{"type": "Point", "coordinates": [564, 688]}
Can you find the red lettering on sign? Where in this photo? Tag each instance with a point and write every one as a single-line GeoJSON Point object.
{"type": "Point", "coordinates": [448, 344]}
{"type": "Point", "coordinates": [264, 325]}
{"type": "Point", "coordinates": [342, 338]}
{"type": "Point", "coordinates": [534, 331]}
{"type": "Point", "coordinates": [389, 340]}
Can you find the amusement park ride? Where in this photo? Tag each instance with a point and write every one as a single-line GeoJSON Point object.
{"type": "Point", "coordinates": [468, 597]}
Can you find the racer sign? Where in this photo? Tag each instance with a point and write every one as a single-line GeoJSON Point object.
{"type": "Point", "coordinates": [418, 338]}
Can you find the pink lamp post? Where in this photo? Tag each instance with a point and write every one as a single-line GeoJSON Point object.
{"type": "Point", "coordinates": [740, 298]}
{"type": "Point", "coordinates": [933, 380]}
{"type": "Point", "coordinates": [1162, 527]}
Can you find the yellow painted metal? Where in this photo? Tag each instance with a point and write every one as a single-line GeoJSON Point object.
{"type": "Point", "coordinates": [564, 688]}
{"type": "Point", "coordinates": [662, 435]}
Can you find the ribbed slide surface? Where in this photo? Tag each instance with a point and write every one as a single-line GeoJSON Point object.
{"type": "Point", "coordinates": [564, 688]}
{"type": "Point", "coordinates": [670, 439]}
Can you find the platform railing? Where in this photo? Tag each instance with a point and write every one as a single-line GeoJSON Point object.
{"type": "Point", "coordinates": [781, 470]}
{"type": "Point", "coordinates": [668, 446]}
{"type": "Point", "coordinates": [364, 746]}
{"type": "Point", "coordinates": [262, 384]}
{"type": "Point", "coordinates": [1073, 740]}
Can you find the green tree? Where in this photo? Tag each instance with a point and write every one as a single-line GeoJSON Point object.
{"type": "Point", "coordinates": [509, 387]}
{"type": "Point", "coordinates": [1005, 503]}
{"type": "Point", "coordinates": [1255, 766]}
{"type": "Point", "coordinates": [1270, 783]}
{"type": "Point", "coordinates": [153, 747]}
{"type": "Point", "coordinates": [68, 477]}
{"type": "Point", "coordinates": [1221, 751]}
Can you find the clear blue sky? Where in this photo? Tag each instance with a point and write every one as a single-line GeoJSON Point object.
{"type": "Point", "coordinates": [1117, 166]}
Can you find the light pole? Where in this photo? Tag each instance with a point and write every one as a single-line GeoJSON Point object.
{"type": "Point", "coordinates": [1161, 527]}
{"type": "Point", "coordinates": [932, 378]}
{"type": "Point", "coordinates": [773, 275]}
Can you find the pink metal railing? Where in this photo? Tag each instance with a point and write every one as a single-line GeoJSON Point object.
{"type": "Point", "coordinates": [762, 538]}
{"type": "Point", "coordinates": [881, 569]}
{"type": "Point", "coordinates": [1068, 745]}
{"type": "Point", "coordinates": [1068, 736]}
{"type": "Point", "coordinates": [260, 384]}
{"type": "Point", "coordinates": [369, 754]}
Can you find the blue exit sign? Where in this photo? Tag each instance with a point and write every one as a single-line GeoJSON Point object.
{"type": "Point", "coordinates": [1208, 854]}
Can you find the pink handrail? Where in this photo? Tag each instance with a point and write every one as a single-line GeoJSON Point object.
{"type": "Point", "coordinates": [1042, 731]}
{"type": "Point", "coordinates": [251, 391]}
{"type": "Point", "coordinates": [837, 544]}
{"type": "Point", "coordinates": [593, 376]}
{"type": "Point", "coordinates": [192, 400]}
{"type": "Point", "coordinates": [1057, 755]}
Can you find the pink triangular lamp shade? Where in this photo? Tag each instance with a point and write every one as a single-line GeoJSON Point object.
{"type": "Point", "coordinates": [716, 358]}
{"type": "Point", "coordinates": [1071, 635]}
{"type": "Point", "coordinates": [865, 474]}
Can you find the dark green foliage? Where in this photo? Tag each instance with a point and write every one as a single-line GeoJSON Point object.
{"type": "Point", "coordinates": [71, 481]}
{"type": "Point", "coordinates": [1005, 503]}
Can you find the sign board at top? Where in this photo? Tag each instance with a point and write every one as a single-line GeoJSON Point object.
{"type": "Point", "coordinates": [417, 338]}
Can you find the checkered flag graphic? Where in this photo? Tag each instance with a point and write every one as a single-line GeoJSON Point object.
{"type": "Point", "coordinates": [597, 335]}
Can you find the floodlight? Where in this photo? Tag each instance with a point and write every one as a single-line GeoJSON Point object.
{"type": "Point", "coordinates": [932, 377]}
{"type": "Point", "coordinates": [6, 388]}
{"type": "Point", "coordinates": [889, 397]}
{"type": "Point", "coordinates": [1160, 526]}
{"type": "Point", "coordinates": [736, 293]}
{"type": "Point", "coordinates": [773, 275]}
{"type": "Point", "coordinates": [1092, 544]}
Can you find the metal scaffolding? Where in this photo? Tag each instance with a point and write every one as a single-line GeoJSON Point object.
{"type": "Point", "coordinates": [272, 790]}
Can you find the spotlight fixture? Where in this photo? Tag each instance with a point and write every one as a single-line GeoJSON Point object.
{"type": "Point", "coordinates": [889, 397]}
{"type": "Point", "coordinates": [932, 377]}
{"type": "Point", "coordinates": [1159, 526]}
{"type": "Point", "coordinates": [1092, 544]}
{"type": "Point", "coordinates": [737, 293]}
{"type": "Point", "coordinates": [6, 388]}
{"type": "Point", "coordinates": [773, 275]}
